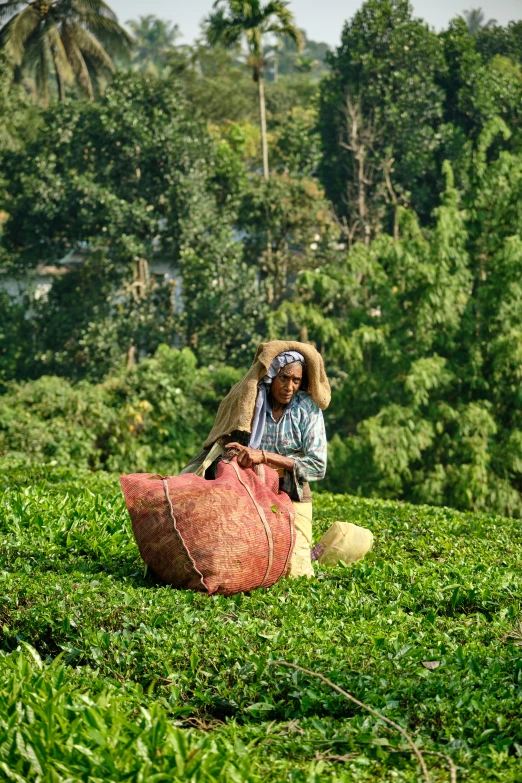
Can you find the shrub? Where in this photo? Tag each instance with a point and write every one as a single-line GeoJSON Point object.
{"type": "Point", "coordinates": [151, 417]}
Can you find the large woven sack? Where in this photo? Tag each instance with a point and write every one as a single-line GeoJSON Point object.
{"type": "Point", "coordinates": [226, 536]}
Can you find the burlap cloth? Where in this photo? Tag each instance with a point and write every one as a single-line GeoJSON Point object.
{"type": "Point", "coordinates": [237, 408]}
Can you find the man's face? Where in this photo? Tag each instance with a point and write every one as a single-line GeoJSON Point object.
{"type": "Point", "coordinates": [287, 382]}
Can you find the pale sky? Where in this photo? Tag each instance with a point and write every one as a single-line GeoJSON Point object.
{"type": "Point", "coordinates": [322, 21]}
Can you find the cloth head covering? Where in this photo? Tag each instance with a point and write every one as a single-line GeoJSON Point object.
{"type": "Point", "coordinates": [236, 411]}
{"type": "Point", "coordinates": [263, 388]}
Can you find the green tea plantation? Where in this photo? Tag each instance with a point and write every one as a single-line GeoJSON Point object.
{"type": "Point", "coordinates": [107, 675]}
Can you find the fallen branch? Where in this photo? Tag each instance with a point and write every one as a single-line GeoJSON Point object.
{"type": "Point", "coordinates": [365, 707]}
{"type": "Point", "coordinates": [451, 763]}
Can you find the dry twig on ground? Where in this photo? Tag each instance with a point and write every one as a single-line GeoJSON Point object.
{"type": "Point", "coordinates": [373, 712]}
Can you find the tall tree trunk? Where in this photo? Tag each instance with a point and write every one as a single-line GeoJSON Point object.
{"type": "Point", "coordinates": [262, 110]}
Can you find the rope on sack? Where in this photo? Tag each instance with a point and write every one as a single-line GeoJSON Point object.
{"type": "Point", "coordinates": [263, 519]}
{"type": "Point", "coordinates": [178, 534]}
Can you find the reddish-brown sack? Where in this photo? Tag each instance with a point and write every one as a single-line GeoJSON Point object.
{"type": "Point", "coordinates": [226, 536]}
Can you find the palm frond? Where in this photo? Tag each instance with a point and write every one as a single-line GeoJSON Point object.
{"type": "Point", "coordinates": [10, 7]}
{"type": "Point", "coordinates": [143, 23]}
{"type": "Point", "coordinates": [110, 34]}
{"type": "Point", "coordinates": [76, 60]}
{"type": "Point", "coordinates": [41, 70]}
{"type": "Point", "coordinates": [59, 55]}
{"type": "Point", "coordinates": [89, 45]}
{"type": "Point", "coordinates": [288, 31]}
{"type": "Point", "coordinates": [277, 7]}
{"type": "Point", "coordinates": [476, 21]}
{"type": "Point", "coordinates": [254, 36]}
{"type": "Point", "coordinates": [234, 19]}
{"type": "Point", "coordinates": [93, 8]}
{"type": "Point", "coordinates": [221, 30]}
{"type": "Point", "coordinates": [83, 13]}
{"type": "Point", "coordinates": [96, 74]}
{"type": "Point", "coordinates": [75, 37]}
{"type": "Point", "coordinates": [35, 45]}
{"type": "Point", "coordinates": [17, 30]}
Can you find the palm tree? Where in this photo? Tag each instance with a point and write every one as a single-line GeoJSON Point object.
{"type": "Point", "coordinates": [476, 21]}
{"type": "Point", "coordinates": [153, 38]}
{"type": "Point", "coordinates": [235, 21]}
{"type": "Point", "coordinates": [73, 38]}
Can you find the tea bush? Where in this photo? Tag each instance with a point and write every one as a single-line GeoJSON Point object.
{"type": "Point", "coordinates": [152, 416]}
{"type": "Point", "coordinates": [107, 675]}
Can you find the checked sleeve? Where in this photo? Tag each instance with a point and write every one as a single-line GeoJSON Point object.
{"type": "Point", "coordinates": [310, 465]}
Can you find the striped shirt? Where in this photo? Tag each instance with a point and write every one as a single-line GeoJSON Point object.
{"type": "Point", "coordinates": [299, 434]}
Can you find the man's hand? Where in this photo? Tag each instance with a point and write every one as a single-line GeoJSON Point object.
{"type": "Point", "coordinates": [246, 457]}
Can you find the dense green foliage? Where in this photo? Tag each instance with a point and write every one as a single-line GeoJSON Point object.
{"type": "Point", "coordinates": [388, 234]}
{"type": "Point", "coordinates": [139, 663]}
{"type": "Point", "coordinates": [429, 327]}
{"type": "Point", "coordinates": [17, 113]}
{"type": "Point", "coordinates": [141, 179]}
{"type": "Point", "coordinates": [382, 108]}
{"type": "Point", "coordinates": [400, 100]}
{"type": "Point", "coordinates": [152, 416]}
{"type": "Point", "coordinates": [98, 173]}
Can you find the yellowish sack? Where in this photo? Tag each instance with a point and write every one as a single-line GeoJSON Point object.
{"type": "Point", "coordinates": [343, 541]}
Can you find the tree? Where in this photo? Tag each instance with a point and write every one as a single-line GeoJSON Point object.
{"type": "Point", "coordinates": [505, 41]}
{"type": "Point", "coordinates": [476, 21]}
{"type": "Point", "coordinates": [74, 38]}
{"type": "Point", "coordinates": [19, 120]}
{"type": "Point", "coordinates": [422, 338]}
{"type": "Point", "coordinates": [284, 221]}
{"type": "Point", "coordinates": [381, 118]}
{"type": "Point", "coordinates": [140, 179]}
{"type": "Point", "coordinates": [296, 142]}
{"type": "Point", "coordinates": [236, 20]}
{"type": "Point", "coordinates": [13, 340]}
{"type": "Point", "coordinates": [153, 39]}
{"type": "Point", "coordinates": [478, 86]}
{"type": "Point", "coordinates": [18, 115]}
{"type": "Point", "coordinates": [214, 81]}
